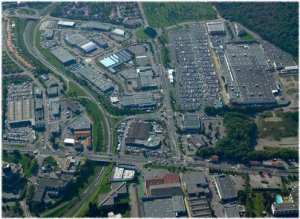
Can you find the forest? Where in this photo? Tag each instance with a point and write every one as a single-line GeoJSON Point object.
{"type": "Point", "coordinates": [275, 22]}
{"type": "Point", "coordinates": [160, 14]}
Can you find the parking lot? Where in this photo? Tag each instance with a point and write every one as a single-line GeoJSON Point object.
{"type": "Point", "coordinates": [197, 84]}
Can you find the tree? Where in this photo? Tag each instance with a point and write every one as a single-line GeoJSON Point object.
{"type": "Point", "coordinates": [34, 166]}
{"type": "Point", "coordinates": [150, 32]}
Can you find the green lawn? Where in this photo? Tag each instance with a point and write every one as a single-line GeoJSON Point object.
{"type": "Point", "coordinates": [258, 204]}
{"type": "Point", "coordinates": [8, 65]}
{"type": "Point", "coordinates": [99, 130]}
{"type": "Point", "coordinates": [61, 210]}
{"type": "Point", "coordinates": [74, 91]}
{"type": "Point", "coordinates": [142, 35]}
{"type": "Point", "coordinates": [247, 37]}
{"type": "Point", "coordinates": [171, 13]}
{"type": "Point", "coordinates": [28, 11]}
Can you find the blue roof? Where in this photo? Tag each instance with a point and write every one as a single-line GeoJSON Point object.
{"type": "Point", "coordinates": [107, 62]}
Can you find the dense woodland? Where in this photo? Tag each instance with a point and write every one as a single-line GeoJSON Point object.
{"type": "Point", "coordinates": [239, 142]}
{"type": "Point", "coordinates": [160, 14]}
{"type": "Point", "coordinates": [275, 22]}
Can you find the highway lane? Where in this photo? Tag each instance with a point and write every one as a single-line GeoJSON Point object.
{"type": "Point", "coordinates": [34, 51]}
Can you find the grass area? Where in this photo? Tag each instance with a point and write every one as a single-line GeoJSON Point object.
{"type": "Point", "coordinates": [99, 130]}
{"type": "Point", "coordinates": [247, 37]}
{"type": "Point", "coordinates": [24, 160]}
{"type": "Point", "coordinates": [8, 65]}
{"type": "Point", "coordinates": [288, 127]}
{"type": "Point", "coordinates": [26, 11]}
{"type": "Point", "coordinates": [141, 186]}
{"type": "Point", "coordinates": [89, 180]}
{"type": "Point", "coordinates": [19, 42]}
{"type": "Point", "coordinates": [266, 114]}
{"type": "Point", "coordinates": [171, 13]}
{"type": "Point", "coordinates": [258, 204]}
{"type": "Point", "coordinates": [114, 122]}
{"type": "Point", "coordinates": [102, 187]}
{"type": "Point", "coordinates": [140, 34]}
{"type": "Point", "coordinates": [61, 210]}
{"type": "Point", "coordinates": [74, 91]}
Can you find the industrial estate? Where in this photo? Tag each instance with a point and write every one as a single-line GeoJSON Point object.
{"type": "Point", "coordinates": [107, 115]}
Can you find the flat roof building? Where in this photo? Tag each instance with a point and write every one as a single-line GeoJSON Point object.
{"type": "Point", "coordinates": [21, 112]}
{"type": "Point", "coordinates": [195, 184]}
{"type": "Point", "coordinates": [231, 211]}
{"type": "Point", "coordinates": [98, 80]}
{"type": "Point", "coordinates": [64, 56]}
{"type": "Point", "coordinates": [160, 207]}
{"type": "Point", "coordinates": [81, 43]}
{"type": "Point", "coordinates": [138, 100]}
{"type": "Point", "coordinates": [118, 32]}
{"type": "Point", "coordinates": [216, 28]}
{"type": "Point", "coordinates": [66, 23]}
{"type": "Point", "coordinates": [247, 75]}
{"type": "Point", "coordinates": [172, 189]}
{"type": "Point", "coordinates": [80, 123]}
{"type": "Point", "coordinates": [191, 122]}
{"type": "Point", "coordinates": [97, 26]}
{"type": "Point", "coordinates": [225, 188]}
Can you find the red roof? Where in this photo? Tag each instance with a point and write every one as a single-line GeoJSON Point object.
{"type": "Point", "coordinates": [171, 178]}
{"type": "Point", "coordinates": [150, 182]}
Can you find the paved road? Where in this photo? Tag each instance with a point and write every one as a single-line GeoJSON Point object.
{"type": "Point", "coordinates": [34, 51]}
{"type": "Point", "coordinates": [134, 202]}
{"type": "Point", "coordinates": [138, 160]}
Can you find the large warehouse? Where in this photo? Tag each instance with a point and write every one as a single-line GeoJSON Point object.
{"type": "Point", "coordinates": [21, 112]}
{"type": "Point", "coordinates": [116, 59]}
{"type": "Point", "coordinates": [138, 100]}
{"type": "Point", "coordinates": [81, 43]}
{"type": "Point", "coordinates": [95, 26]}
{"type": "Point", "coordinates": [96, 79]}
{"type": "Point", "coordinates": [247, 75]}
{"type": "Point", "coordinates": [63, 55]}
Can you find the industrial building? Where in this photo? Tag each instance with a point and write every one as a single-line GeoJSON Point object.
{"type": "Point", "coordinates": [100, 42]}
{"type": "Point", "coordinates": [21, 112]}
{"type": "Point", "coordinates": [247, 75]}
{"type": "Point", "coordinates": [138, 100]}
{"type": "Point", "coordinates": [172, 189]}
{"type": "Point", "coordinates": [80, 123]}
{"type": "Point", "coordinates": [118, 32]}
{"type": "Point", "coordinates": [132, 23]}
{"type": "Point", "coordinates": [96, 79]}
{"type": "Point", "coordinates": [216, 28]}
{"type": "Point", "coordinates": [225, 188]}
{"type": "Point", "coordinates": [81, 43]}
{"type": "Point", "coordinates": [161, 207]}
{"type": "Point", "coordinates": [288, 207]}
{"type": "Point", "coordinates": [195, 184]}
{"type": "Point", "coordinates": [139, 135]}
{"type": "Point", "coordinates": [95, 26]}
{"type": "Point", "coordinates": [55, 128]}
{"type": "Point", "coordinates": [170, 178]}
{"type": "Point", "coordinates": [147, 83]}
{"type": "Point", "coordinates": [66, 23]}
{"type": "Point", "coordinates": [116, 59]}
{"type": "Point", "coordinates": [64, 56]}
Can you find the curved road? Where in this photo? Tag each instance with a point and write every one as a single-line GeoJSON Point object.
{"type": "Point", "coordinates": [34, 51]}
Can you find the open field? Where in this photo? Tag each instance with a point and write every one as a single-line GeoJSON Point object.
{"type": "Point", "coordinates": [140, 34]}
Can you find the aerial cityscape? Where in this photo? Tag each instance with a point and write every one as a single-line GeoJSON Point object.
{"type": "Point", "coordinates": [150, 109]}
